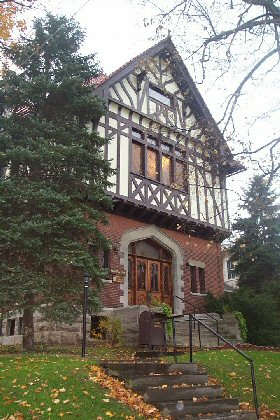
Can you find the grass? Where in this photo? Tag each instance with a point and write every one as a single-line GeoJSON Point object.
{"type": "Point", "coordinates": [53, 386]}
{"type": "Point", "coordinates": [233, 372]}
{"type": "Point", "coordinates": [56, 384]}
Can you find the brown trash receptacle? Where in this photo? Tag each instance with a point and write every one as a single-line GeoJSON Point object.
{"type": "Point", "coordinates": [152, 329]}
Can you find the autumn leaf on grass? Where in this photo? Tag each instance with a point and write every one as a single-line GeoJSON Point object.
{"type": "Point", "coordinates": [123, 395]}
{"type": "Point", "coordinates": [233, 374]}
{"type": "Point", "coordinates": [109, 414]}
{"type": "Point", "coordinates": [16, 416]}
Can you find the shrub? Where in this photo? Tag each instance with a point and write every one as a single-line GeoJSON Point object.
{"type": "Point", "coordinates": [261, 312]}
{"type": "Point", "coordinates": [112, 330]}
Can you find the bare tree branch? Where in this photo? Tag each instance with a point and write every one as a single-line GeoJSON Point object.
{"type": "Point", "coordinates": [234, 97]}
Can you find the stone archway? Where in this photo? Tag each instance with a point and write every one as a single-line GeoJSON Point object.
{"type": "Point", "coordinates": [155, 234]}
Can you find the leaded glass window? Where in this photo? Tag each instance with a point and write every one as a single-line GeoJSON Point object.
{"type": "Point", "coordinates": [138, 158]}
{"type": "Point", "coordinates": [166, 169]}
{"type": "Point", "coordinates": [165, 279]}
{"type": "Point", "coordinates": [154, 277]}
{"type": "Point", "coordinates": [152, 164]}
{"type": "Point", "coordinates": [141, 275]}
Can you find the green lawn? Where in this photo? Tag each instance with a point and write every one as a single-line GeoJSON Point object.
{"type": "Point", "coordinates": [54, 386]}
{"type": "Point", "coordinates": [234, 373]}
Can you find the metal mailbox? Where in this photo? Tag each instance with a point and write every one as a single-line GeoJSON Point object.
{"type": "Point", "coordinates": [152, 329]}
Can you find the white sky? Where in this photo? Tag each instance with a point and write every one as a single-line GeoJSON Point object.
{"type": "Point", "coordinates": [115, 30]}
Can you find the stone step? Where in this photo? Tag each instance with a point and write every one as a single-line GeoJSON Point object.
{"type": "Point", "coordinates": [128, 369]}
{"type": "Point", "coordinates": [182, 408]}
{"type": "Point", "coordinates": [233, 415]}
{"type": "Point", "coordinates": [153, 395]}
{"type": "Point", "coordinates": [142, 382]}
{"type": "Point", "coordinates": [156, 354]}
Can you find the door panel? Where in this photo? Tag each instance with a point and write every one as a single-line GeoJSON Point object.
{"type": "Point", "coordinates": [149, 280]}
{"type": "Point", "coordinates": [154, 280]}
{"type": "Point", "coordinates": [141, 280]}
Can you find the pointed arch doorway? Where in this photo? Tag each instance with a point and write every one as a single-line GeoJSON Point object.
{"type": "Point", "coordinates": [149, 273]}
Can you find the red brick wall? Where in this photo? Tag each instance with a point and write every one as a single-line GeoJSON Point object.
{"type": "Point", "coordinates": [198, 249]}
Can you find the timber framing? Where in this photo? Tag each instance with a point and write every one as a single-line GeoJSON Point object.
{"type": "Point", "coordinates": [154, 96]}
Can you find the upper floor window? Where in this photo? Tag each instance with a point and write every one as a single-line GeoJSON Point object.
{"type": "Point", "coordinates": [159, 95]}
{"type": "Point", "coordinates": [159, 161]}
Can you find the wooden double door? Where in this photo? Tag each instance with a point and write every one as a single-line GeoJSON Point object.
{"type": "Point", "coordinates": [149, 280]}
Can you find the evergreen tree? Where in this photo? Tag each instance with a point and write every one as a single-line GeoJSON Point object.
{"type": "Point", "coordinates": [54, 177]}
{"type": "Point", "coordinates": [257, 249]}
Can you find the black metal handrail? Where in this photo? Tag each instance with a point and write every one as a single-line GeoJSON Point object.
{"type": "Point", "coordinates": [204, 313]}
{"type": "Point", "coordinates": [249, 359]}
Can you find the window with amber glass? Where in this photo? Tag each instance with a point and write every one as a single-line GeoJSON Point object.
{"type": "Point", "coordinates": [137, 158]}
{"type": "Point", "coordinates": [166, 169]}
{"type": "Point", "coordinates": [152, 164]}
{"type": "Point", "coordinates": [157, 160]}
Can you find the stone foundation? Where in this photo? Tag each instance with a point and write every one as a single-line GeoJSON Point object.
{"type": "Point", "coordinates": [64, 334]}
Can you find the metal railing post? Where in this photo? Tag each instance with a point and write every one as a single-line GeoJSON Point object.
{"type": "Point", "coordinates": [199, 336]}
{"type": "Point", "coordinates": [254, 389]}
{"type": "Point", "coordinates": [190, 338]}
{"type": "Point", "coordinates": [174, 340]}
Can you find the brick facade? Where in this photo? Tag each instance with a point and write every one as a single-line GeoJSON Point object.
{"type": "Point", "coordinates": [193, 248]}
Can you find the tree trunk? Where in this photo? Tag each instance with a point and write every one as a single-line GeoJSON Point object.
{"type": "Point", "coordinates": [28, 330]}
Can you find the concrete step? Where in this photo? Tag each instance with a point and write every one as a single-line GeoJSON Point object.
{"type": "Point", "coordinates": [154, 395]}
{"type": "Point", "coordinates": [130, 369]}
{"type": "Point", "coordinates": [142, 382]}
{"type": "Point", "coordinates": [182, 408]}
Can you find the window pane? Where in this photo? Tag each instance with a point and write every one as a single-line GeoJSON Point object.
{"type": "Point", "coordinates": [201, 273]}
{"type": "Point", "coordinates": [179, 153]}
{"type": "Point", "coordinates": [137, 158]}
{"type": "Point", "coordinates": [154, 277]}
{"type": "Point", "coordinates": [165, 279]}
{"type": "Point", "coordinates": [152, 164]}
{"type": "Point", "coordinates": [159, 95]}
{"type": "Point", "coordinates": [141, 275]}
{"type": "Point", "coordinates": [165, 147]}
{"type": "Point", "coordinates": [193, 279]}
{"type": "Point", "coordinates": [166, 169]}
{"type": "Point", "coordinates": [179, 175]}
{"type": "Point", "coordinates": [152, 141]}
{"type": "Point", "coordinates": [137, 133]}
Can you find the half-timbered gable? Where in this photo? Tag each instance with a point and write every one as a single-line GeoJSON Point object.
{"type": "Point", "coordinates": [168, 153]}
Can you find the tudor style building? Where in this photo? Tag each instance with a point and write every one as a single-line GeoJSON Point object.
{"type": "Point", "coordinates": [169, 190]}
{"type": "Point", "coordinates": [170, 211]}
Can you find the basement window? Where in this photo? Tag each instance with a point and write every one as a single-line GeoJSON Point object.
{"type": "Point", "coordinates": [11, 326]}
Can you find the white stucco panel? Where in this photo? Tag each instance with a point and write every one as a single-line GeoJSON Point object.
{"type": "Point", "coordinates": [124, 165]}
{"type": "Point", "coordinates": [112, 157]}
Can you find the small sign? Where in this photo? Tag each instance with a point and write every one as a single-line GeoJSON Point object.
{"type": "Point", "coordinates": [117, 276]}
